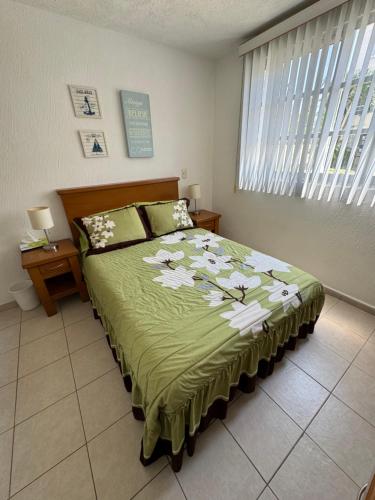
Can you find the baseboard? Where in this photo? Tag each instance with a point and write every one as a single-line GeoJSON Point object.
{"type": "Point", "coordinates": [8, 305]}
{"type": "Point", "coordinates": [351, 300]}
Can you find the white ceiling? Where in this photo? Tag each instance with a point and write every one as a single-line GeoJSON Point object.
{"type": "Point", "coordinates": [207, 27]}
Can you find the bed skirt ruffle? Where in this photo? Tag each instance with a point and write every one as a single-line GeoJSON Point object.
{"type": "Point", "coordinates": [179, 430]}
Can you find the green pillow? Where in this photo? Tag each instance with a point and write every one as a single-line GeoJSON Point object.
{"type": "Point", "coordinates": [84, 243]}
{"type": "Point", "coordinates": [113, 229]}
{"type": "Point", "coordinates": [168, 217]}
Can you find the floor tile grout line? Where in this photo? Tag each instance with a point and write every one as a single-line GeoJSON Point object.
{"type": "Point", "coordinates": [58, 359]}
{"type": "Point", "coordinates": [80, 412]}
{"type": "Point", "coordinates": [281, 408]}
{"type": "Point", "coordinates": [60, 399]}
{"type": "Point", "coordinates": [179, 483]}
{"type": "Point", "coordinates": [41, 337]}
{"type": "Point", "coordinates": [64, 397]}
{"type": "Point", "coordinates": [243, 451]}
{"type": "Point", "coordinates": [9, 350]}
{"type": "Point", "coordinates": [14, 419]}
{"type": "Point", "coordinates": [50, 333]}
{"type": "Point", "coordinates": [269, 486]}
{"type": "Point", "coordinates": [48, 470]}
{"type": "Point", "coordinates": [351, 329]}
{"type": "Point", "coordinates": [333, 350]}
{"type": "Point", "coordinates": [297, 441]}
{"type": "Point", "coordinates": [108, 427]}
{"type": "Point", "coordinates": [90, 343]}
{"type": "Point", "coordinates": [17, 424]}
{"type": "Point", "coordinates": [150, 481]}
{"type": "Point", "coordinates": [309, 375]}
{"type": "Point", "coordinates": [337, 465]}
{"type": "Point", "coordinates": [42, 367]}
{"type": "Point", "coordinates": [8, 326]}
{"type": "Point", "coordinates": [283, 461]}
{"type": "Point", "coordinates": [315, 415]}
{"type": "Point", "coordinates": [353, 410]}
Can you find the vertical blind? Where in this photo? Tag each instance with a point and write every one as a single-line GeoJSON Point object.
{"type": "Point", "coordinates": [307, 125]}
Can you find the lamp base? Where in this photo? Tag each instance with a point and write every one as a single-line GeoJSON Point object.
{"type": "Point", "coordinates": [51, 247]}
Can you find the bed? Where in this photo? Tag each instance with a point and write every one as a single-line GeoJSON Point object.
{"type": "Point", "coordinates": [190, 317]}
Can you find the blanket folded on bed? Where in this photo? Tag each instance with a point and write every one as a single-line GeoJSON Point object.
{"type": "Point", "coordinates": [188, 313]}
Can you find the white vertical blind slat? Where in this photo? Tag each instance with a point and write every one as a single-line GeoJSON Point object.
{"type": "Point", "coordinates": [304, 109]}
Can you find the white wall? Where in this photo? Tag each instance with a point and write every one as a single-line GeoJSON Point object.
{"type": "Point", "coordinates": [333, 241]}
{"type": "Point", "coordinates": [41, 53]}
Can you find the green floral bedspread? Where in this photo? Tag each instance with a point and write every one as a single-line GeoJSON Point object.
{"type": "Point", "coordinates": [188, 313]}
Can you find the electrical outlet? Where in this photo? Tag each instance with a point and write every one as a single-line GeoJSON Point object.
{"type": "Point", "coordinates": [184, 173]}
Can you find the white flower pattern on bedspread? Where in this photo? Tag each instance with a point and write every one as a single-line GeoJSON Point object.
{"type": "Point", "coordinates": [206, 240]}
{"type": "Point", "coordinates": [212, 262]}
{"type": "Point", "coordinates": [280, 292]}
{"type": "Point", "coordinates": [174, 278]}
{"type": "Point", "coordinates": [164, 257]}
{"type": "Point", "coordinates": [261, 262]}
{"type": "Point", "coordinates": [238, 281]}
{"type": "Point", "coordinates": [210, 272]}
{"type": "Point", "coordinates": [171, 239]}
{"type": "Point", "coordinates": [247, 317]}
{"type": "Point", "coordinates": [214, 297]}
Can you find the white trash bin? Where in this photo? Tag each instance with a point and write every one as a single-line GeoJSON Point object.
{"type": "Point", "coordinates": [25, 295]}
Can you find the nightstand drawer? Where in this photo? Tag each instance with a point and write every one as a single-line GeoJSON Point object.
{"type": "Point", "coordinates": [209, 225]}
{"type": "Point", "coordinates": [54, 268]}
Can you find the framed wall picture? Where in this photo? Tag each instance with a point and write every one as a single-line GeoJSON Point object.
{"type": "Point", "coordinates": [93, 143]}
{"type": "Point", "coordinates": [137, 119]}
{"type": "Point", "coordinates": [85, 102]}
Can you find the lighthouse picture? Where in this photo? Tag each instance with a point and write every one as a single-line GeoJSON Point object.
{"type": "Point", "coordinates": [85, 102]}
{"type": "Point", "coordinates": [87, 108]}
{"type": "Point", "coordinates": [93, 143]}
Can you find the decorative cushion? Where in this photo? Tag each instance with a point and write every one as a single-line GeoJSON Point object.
{"type": "Point", "coordinates": [84, 243]}
{"type": "Point", "coordinates": [113, 229]}
{"type": "Point", "coordinates": [167, 217]}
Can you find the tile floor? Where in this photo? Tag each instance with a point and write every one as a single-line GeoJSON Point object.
{"type": "Point", "coordinates": [67, 432]}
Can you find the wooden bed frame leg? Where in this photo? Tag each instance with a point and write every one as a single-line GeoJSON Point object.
{"type": "Point", "coordinates": [177, 460]}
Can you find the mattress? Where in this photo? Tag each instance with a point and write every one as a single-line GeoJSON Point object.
{"type": "Point", "coordinates": [187, 314]}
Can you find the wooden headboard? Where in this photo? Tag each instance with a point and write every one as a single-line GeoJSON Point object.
{"type": "Point", "coordinates": [81, 201]}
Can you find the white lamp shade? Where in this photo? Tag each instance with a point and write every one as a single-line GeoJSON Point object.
{"type": "Point", "coordinates": [40, 217]}
{"type": "Point", "coordinates": [195, 191]}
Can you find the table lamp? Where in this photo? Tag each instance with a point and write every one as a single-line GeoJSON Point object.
{"type": "Point", "coordinates": [195, 194]}
{"type": "Point", "coordinates": [41, 218]}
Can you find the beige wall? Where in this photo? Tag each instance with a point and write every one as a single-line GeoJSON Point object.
{"type": "Point", "coordinates": [41, 53]}
{"type": "Point", "coordinates": [331, 240]}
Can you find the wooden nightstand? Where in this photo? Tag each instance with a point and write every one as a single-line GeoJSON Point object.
{"type": "Point", "coordinates": [206, 220]}
{"type": "Point", "coordinates": [55, 274]}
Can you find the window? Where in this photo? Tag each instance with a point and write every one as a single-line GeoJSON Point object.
{"type": "Point", "coordinates": [308, 102]}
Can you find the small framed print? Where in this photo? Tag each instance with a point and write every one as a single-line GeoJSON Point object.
{"type": "Point", "coordinates": [93, 143]}
{"type": "Point", "coordinates": [85, 102]}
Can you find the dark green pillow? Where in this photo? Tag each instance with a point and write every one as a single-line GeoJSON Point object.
{"type": "Point", "coordinates": [164, 218]}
